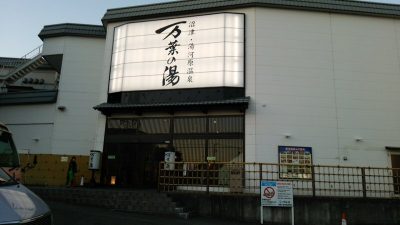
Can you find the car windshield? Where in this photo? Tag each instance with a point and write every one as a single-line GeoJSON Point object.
{"type": "Point", "coordinates": [8, 152]}
{"type": "Point", "coordinates": [5, 178]}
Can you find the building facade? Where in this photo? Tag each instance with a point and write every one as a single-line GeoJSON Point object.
{"type": "Point", "coordinates": [54, 119]}
{"type": "Point", "coordinates": [320, 82]}
{"type": "Point", "coordinates": [308, 83]}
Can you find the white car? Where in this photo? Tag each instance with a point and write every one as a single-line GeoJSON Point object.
{"type": "Point", "coordinates": [18, 204]}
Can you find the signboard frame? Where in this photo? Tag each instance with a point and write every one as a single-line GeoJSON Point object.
{"type": "Point", "coordinates": [184, 72]}
{"type": "Point", "coordinates": [94, 160]}
{"type": "Point", "coordinates": [298, 158]}
{"type": "Point", "coordinates": [276, 194]}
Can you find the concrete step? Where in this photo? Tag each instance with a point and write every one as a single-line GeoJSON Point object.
{"type": "Point", "coordinates": [184, 215]}
{"type": "Point", "coordinates": [179, 209]}
{"type": "Point", "coordinates": [183, 212]}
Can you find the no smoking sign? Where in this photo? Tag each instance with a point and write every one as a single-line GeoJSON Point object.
{"type": "Point", "coordinates": [276, 193]}
{"type": "Point", "coordinates": [269, 192]}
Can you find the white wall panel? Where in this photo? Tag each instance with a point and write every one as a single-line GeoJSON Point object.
{"type": "Point", "coordinates": [326, 79]}
{"type": "Point", "coordinates": [294, 80]}
{"type": "Point", "coordinates": [27, 114]}
{"type": "Point", "coordinates": [367, 63]}
{"type": "Point", "coordinates": [32, 138]}
{"type": "Point", "coordinates": [52, 46]}
{"type": "Point", "coordinates": [80, 79]}
{"type": "Point", "coordinates": [72, 146]}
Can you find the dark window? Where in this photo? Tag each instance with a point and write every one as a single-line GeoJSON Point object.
{"type": "Point", "coordinates": [187, 125]}
{"type": "Point", "coordinates": [141, 126]}
{"type": "Point", "coordinates": [192, 149]}
{"type": "Point", "coordinates": [226, 150]}
{"type": "Point", "coordinates": [154, 126]}
{"type": "Point", "coordinates": [220, 138]}
{"type": "Point", "coordinates": [226, 124]}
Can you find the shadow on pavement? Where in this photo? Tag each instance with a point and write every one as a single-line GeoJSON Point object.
{"type": "Point", "coordinates": [67, 214]}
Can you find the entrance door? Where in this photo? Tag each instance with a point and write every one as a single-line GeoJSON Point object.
{"type": "Point", "coordinates": [396, 173]}
{"type": "Point", "coordinates": [133, 165]}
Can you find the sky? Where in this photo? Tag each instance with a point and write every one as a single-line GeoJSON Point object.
{"type": "Point", "coordinates": [22, 20]}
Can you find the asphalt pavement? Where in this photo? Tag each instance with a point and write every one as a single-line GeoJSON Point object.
{"type": "Point", "coordinates": [67, 214]}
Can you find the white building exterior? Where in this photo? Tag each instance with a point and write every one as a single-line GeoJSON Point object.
{"type": "Point", "coordinates": [67, 125]}
{"type": "Point", "coordinates": [82, 63]}
{"type": "Point", "coordinates": [317, 79]}
{"type": "Point", "coordinates": [323, 78]}
{"type": "Point", "coordinates": [329, 80]}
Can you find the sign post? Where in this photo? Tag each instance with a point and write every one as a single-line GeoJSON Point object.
{"type": "Point", "coordinates": [276, 194]}
{"type": "Point", "coordinates": [94, 165]}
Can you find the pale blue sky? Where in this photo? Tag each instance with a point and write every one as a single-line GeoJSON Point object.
{"type": "Point", "coordinates": [22, 20]}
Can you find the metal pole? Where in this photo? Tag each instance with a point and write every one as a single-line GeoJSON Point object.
{"type": "Point", "coordinates": [159, 176]}
{"type": "Point", "coordinates": [208, 177]}
{"type": "Point", "coordinates": [364, 183]}
{"type": "Point", "coordinates": [261, 205]}
{"type": "Point", "coordinates": [293, 213]}
{"type": "Point", "coordinates": [313, 179]}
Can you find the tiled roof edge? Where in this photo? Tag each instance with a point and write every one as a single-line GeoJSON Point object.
{"type": "Point", "coordinates": [242, 100]}
{"type": "Point", "coordinates": [198, 6]}
{"type": "Point", "coordinates": [10, 61]}
{"type": "Point", "coordinates": [72, 29]}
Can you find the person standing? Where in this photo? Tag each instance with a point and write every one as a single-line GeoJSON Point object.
{"type": "Point", "coordinates": [72, 170]}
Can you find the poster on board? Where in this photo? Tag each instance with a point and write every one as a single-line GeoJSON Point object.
{"type": "Point", "coordinates": [295, 162]}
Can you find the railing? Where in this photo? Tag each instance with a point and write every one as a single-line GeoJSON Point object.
{"type": "Point", "coordinates": [32, 54]}
{"type": "Point", "coordinates": [15, 63]}
{"type": "Point", "coordinates": [244, 179]}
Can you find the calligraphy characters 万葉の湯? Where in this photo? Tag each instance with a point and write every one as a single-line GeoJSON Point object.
{"type": "Point", "coordinates": [171, 73]}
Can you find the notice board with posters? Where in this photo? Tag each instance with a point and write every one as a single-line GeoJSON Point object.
{"type": "Point", "coordinates": [295, 162]}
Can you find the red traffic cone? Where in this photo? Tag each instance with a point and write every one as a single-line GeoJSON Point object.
{"type": "Point", "coordinates": [344, 220]}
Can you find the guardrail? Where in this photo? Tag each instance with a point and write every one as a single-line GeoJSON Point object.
{"type": "Point", "coordinates": [244, 179]}
{"type": "Point", "coordinates": [16, 62]}
{"type": "Point", "coordinates": [33, 53]}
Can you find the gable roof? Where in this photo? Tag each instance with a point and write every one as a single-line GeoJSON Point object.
{"type": "Point", "coordinates": [198, 6]}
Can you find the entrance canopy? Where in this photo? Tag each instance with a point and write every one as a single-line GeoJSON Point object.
{"type": "Point", "coordinates": [236, 103]}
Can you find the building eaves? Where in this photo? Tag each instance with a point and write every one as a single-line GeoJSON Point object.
{"type": "Point", "coordinates": [72, 29]}
{"type": "Point", "coordinates": [242, 102]}
{"type": "Point", "coordinates": [200, 6]}
{"type": "Point", "coordinates": [11, 62]}
{"type": "Point", "coordinates": [30, 97]}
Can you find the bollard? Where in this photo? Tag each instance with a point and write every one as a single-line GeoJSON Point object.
{"type": "Point", "coordinates": [82, 180]}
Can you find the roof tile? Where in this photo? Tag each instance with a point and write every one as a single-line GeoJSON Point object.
{"type": "Point", "coordinates": [111, 106]}
{"type": "Point", "coordinates": [190, 6]}
{"type": "Point", "coordinates": [72, 29]}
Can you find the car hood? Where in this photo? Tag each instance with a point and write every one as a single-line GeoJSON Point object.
{"type": "Point", "coordinates": [18, 203]}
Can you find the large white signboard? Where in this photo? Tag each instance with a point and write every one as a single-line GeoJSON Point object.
{"type": "Point", "coordinates": [276, 193]}
{"type": "Point", "coordinates": [190, 52]}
